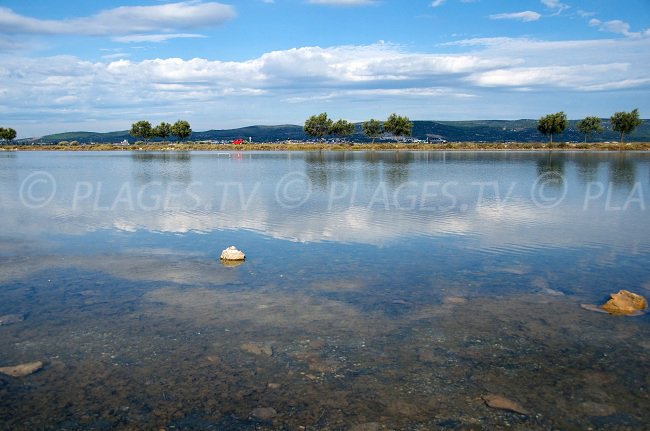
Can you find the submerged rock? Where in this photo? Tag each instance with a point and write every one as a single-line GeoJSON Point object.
{"type": "Point", "coordinates": [9, 319]}
{"type": "Point", "coordinates": [258, 348]}
{"type": "Point", "coordinates": [22, 370]}
{"type": "Point", "coordinates": [503, 403]}
{"type": "Point", "coordinates": [232, 254]}
{"type": "Point", "coordinates": [592, 307]}
{"type": "Point", "coordinates": [625, 302]}
{"type": "Point", "coordinates": [264, 413]}
{"type": "Point", "coordinates": [368, 426]}
{"type": "Point", "coordinates": [454, 300]}
{"type": "Point", "coordinates": [597, 409]}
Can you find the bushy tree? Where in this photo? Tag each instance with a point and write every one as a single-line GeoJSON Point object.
{"type": "Point", "coordinates": [7, 134]}
{"type": "Point", "coordinates": [162, 130]}
{"type": "Point", "coordinates": [373, 129]}
{"type": "Point", "coordinates": [589, 125]}
{"type": "Point", "coordinates": [625, 122]}
{"type": "Point", "coordinates": [317, 126]}
{"type": "Point", "coordinates": [552, 124]}
{"type": "Point", "coordinates": [341, 128]}
{"type": "Point", "coordinates": [141, 129]}
{"type": "Point", "coordinates": [398, 125]}
{"type": "Point", "coordinates": [181, 129]}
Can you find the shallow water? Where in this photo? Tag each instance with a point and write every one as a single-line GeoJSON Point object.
{"type": "Point", "coordinates": [381, 290]}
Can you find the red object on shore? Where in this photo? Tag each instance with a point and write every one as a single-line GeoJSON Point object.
{"type": "Point", "coordinates": [238, 142]}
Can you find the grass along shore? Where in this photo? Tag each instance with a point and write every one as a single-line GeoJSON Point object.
{"type": "Point", "coordinates": [310, 146]}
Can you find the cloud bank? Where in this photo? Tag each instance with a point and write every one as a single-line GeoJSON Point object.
{"type": "Point", "coordinates": [525, 16]}
{"type": "Point", "coordinates": [68, 87]}
{"type": "Point", "coordinates": [123, 20]}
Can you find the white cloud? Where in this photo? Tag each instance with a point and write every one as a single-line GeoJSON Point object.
{"type": "Point", "coordinates": [580, 77]}
{"type": "Point", "coordinates": [343, 2]}
{"type": "Point", "coordinates": [555, 5]}
{"type": "Point", "coordinates": [385, 93]}
{"type": "Point", "coordinates": [9, 44]}
{"type": "Point", "coordinates": [436, 3]}
{"type": "Point", "coordinates": [117, 55]}
{"type": "Point", "coordinates": [525, 16]}
{"type": "Point", "coordinates": [155, 37]}
{"type": "Point", "coordinates": [618, 27]}
{"type": "Point", "coordinates": [125, 20]}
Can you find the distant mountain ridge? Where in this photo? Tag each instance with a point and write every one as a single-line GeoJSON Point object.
{"type": "Point", "coordinates": [524, 130]}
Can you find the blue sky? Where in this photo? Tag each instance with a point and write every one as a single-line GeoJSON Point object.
{"type": "Point", "coordinates": [101, 65]}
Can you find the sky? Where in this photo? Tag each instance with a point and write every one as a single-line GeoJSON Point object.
{"type": "Point", "coordinates": [99, 66]}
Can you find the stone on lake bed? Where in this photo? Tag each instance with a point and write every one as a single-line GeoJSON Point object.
{"type": "Point", "coordinates": [368, 426]}
{"type": "Point", "coordinates": [454, 300]}
{"type": "Point", "coordinates": [592, 307]}
{"type": "Point", "coordinates": [232, 254]}
{"type": "Point", "coordinates": [9, 319]}
{"type": "Point", "coordinates": [596, 409]}
{"type": "Point", "coordinates": [22, 370]}
{"type": "Point", "coordinates": [503, 403]}
{"type": "Point", "coordinates": [264, 413]}
{"type": "Point", "coordinates": [258, 348]}
{"type": "Point", "coordinates": [625, 302]}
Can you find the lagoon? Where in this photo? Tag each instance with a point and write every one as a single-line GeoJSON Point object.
{"type": "Point", "coordinates": [381, 290]}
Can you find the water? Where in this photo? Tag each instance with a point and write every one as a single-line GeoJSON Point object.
{"type": "Point", "coordinates": [392, 290]}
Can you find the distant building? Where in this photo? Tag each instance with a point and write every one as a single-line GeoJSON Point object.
{"type": "Point", "coordinates": [435, 139]}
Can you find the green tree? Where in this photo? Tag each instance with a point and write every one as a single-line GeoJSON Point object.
{"type": "Point", "coordinates": [317, 126]}
{"type": "Point", "coordinates": [7, 134]}
{"type": "Point", "coordinates": [552, 124]}
{"type": "Point", "coordinates": [398, 125]}
{"type": "Point", "coordinates": [373, 129]}
{"type": "Point", "coordinates": [342, 128]}
{"type": "Point", "coordinates": [589, 125]}
{"type": "Point", "coordinates": [141, 129]}
{"type": "Point", "coordinates": [625, 122]}
{"type": "Point", "coordinates": [181, 129]}
{"type": "Point", "coordinates": [162, 130]}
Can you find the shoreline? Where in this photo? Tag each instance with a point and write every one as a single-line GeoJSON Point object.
{"type": "Point", "coordinates": [306, 146]}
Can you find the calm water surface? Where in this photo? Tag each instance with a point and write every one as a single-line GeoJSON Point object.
{"type": "Point", "coordinates": [381, 290]}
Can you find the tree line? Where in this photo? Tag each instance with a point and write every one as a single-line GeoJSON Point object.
{"type": "Point", "coordinates": [319, 126]}
{"type": "Point", "coordinates": [7, 134]}
{"type": "Point", "coordinates": [143, 130]}
{"type": "Point", "coordinates": [621, 122]}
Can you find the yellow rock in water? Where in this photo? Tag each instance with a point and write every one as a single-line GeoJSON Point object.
{"type": "Point", "coordinates": [22, 370]}
{"type": "Point", "coordinates": [625, 302]}
{"type": "Point", "coordinates": [503, 403]}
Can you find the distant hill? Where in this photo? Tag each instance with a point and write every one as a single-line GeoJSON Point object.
{"type": "Point", "coordinates": [257, 133]}
{"type": "Point", "coordinates": [514, 130]}
{"type": "Point", "coordinates": [478, 131]}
